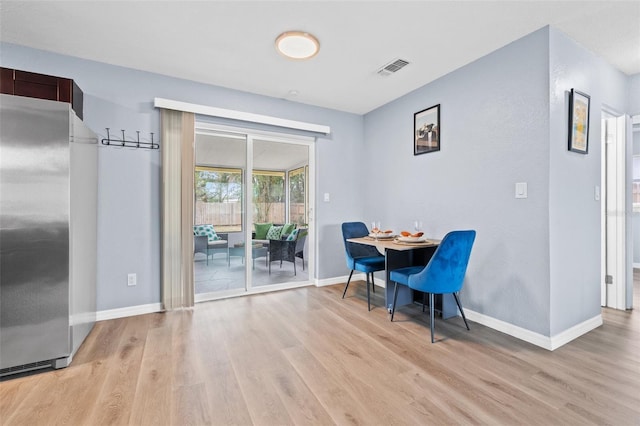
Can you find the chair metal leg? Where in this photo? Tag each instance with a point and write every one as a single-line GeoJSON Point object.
{"type": "Point", "coordinates": [368, 294]}
{"type": "Point", "coordinates": [395, 296]}
{"type": "Point", "coordinates": [455, 296]}
{"type": "Point", "coordinates": [347, 286]}
{"type": "Point", "coordinates": [373, 283]}
{"type": "Point", "coordinates": [424, 300]}
{"type": "Point", "coordinates": [431, 312]}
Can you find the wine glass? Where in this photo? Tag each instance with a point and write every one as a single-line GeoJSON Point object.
{"type": "Point", "coordinates": [375, 228]}
{"type": "Point", "coordinates": [417, 225]}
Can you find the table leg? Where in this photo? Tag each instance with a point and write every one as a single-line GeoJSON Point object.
{"type": "Point", "coordinates": [395, 259]}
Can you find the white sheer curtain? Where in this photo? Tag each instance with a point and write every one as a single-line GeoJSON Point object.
{"type": "Point", "coordinates": [178, 134]}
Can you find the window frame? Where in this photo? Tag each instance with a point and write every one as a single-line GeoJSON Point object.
{"type": "Point", "coordinates": [303, 170]}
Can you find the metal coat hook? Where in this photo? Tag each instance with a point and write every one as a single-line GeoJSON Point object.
{"type": "Point", "coordinates": [129, 144]}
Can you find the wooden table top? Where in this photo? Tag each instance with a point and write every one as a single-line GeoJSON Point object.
{"type": "Point", "coordinates": [393, 244]}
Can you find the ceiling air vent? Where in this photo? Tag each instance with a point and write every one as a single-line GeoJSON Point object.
{"type": "Point", "coordinates": [392, 67]}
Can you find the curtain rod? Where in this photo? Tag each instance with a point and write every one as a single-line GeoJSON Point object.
{"type": "Point", "coordinates": [240, 115]}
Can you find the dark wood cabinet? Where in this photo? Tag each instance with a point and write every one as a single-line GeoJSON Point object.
{"type": "Point", "coordinates": [6, 81]}
{"type": "Point", "coordinates": [41, 86]}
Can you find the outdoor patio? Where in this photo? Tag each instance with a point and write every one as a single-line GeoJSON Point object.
{"type": "Point", "coordinates": [219, 275]}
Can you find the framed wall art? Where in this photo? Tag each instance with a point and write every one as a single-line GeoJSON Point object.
{"type": "Point", "coordinates": [426, 130]}
{"type": "Point", "coordinates": [579, 121]}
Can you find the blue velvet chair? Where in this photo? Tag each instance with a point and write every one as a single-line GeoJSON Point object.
{"type": "Point", "coordinates": [361, 257]}
{"type": "Point", "coordinates": [443, 274]}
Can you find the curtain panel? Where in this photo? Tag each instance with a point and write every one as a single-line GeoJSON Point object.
{"type": "Point", "coordinates": [177, 136]}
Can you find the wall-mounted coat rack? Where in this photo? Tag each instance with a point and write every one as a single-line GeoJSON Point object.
{"type": "Point", "coordinates": [129, 144]}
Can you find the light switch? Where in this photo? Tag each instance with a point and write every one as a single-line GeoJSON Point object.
{"type": "Point", "coordinates": [521, 190]}
{"type": "Point", "coordinates": [327, 198]}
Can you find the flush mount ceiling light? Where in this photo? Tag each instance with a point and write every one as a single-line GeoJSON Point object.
{"type": "Point", "coordinates": [297, 45]}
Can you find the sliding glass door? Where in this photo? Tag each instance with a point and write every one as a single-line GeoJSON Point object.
{"type": "Point", "coordinates": [251, 212]}
{"type": "Point", "coordinates": [276, 171]}
{"type": "Point", "coordinates": [219, 213]}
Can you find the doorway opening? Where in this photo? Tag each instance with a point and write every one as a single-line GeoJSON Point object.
{"type": "Point", "coordinates": [617, 249]}
{"type": "Point", "coordinates": [632, 299]}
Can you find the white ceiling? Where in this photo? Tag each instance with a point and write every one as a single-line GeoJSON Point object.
{"type": "Point", "coordinates": [230, 151]}
{"type": "Point", "coordinates": [231, 43]}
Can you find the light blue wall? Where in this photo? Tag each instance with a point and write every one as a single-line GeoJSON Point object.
{"type": "Point", "coordinates": [129, 188]}
{"type": "Point", "coordinates": [634, 95]}
{"type": "Point", "coordinates": [495, 132]}
{"type": "Point", "coordinates": [574, 213]}
{"type": "Point", "coordinates": [536, 262]}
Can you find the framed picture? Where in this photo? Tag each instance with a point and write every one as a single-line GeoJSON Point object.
{"type": "Point", "coordinates": [426, 130]}
{"type": "Point", "coordinates": [579, 122]}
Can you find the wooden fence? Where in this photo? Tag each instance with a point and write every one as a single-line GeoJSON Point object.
{"type": "Point", "coordinates": [230, 214]}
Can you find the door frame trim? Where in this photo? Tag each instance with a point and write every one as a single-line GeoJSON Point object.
{"type": "Point", "coordinates": [240, 115]}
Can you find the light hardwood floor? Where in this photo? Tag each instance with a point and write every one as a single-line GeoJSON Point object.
{"type": "Point", "coordinates": [306, 357]}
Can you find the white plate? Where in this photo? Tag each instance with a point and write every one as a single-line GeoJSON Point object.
{"type": "Point", "coordinates": [412, 239]}
{"type": "Point", "coordinates": [382, 236]}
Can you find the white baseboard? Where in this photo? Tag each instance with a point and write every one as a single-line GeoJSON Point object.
{"type": "Point", "coordinates": [549, 343]}
{"type": "Point", "coordinates": [129, 311]}
{"type": "Point", "coordinates": [636, 265]}
{"type": "Point", "coordinates": [380, 282]}
{"type": "Point", "coordinates": [332, 281]}
{"type": "Point", "coordinates": [575, 332]}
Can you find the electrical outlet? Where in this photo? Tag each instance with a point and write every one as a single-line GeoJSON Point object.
{"type": "Point", "coordinates": [131, 280]}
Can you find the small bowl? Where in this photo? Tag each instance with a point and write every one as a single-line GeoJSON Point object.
{"type": "Point", "coordinates": [381, 235]}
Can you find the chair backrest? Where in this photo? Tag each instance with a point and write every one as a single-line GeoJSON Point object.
{"type": "Point", "coordinates": [282, 250]}
{"type": "Point", "coordinates": [207, 231]}
{"type": "Point", "coordinates": [352, 250]}
{"type": "Point", "coordinates": [446, 270]}
{"type": "Point", "coordinates": [200, 244]}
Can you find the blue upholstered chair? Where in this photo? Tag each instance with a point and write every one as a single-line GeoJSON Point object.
{"type": "Point", "coordinates": [361, 257]}
{"type": "Point", "coordinates": [443, 274]}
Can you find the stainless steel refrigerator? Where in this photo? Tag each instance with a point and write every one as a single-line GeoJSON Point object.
{"type": "Point", "coordinates": [48, 217]}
